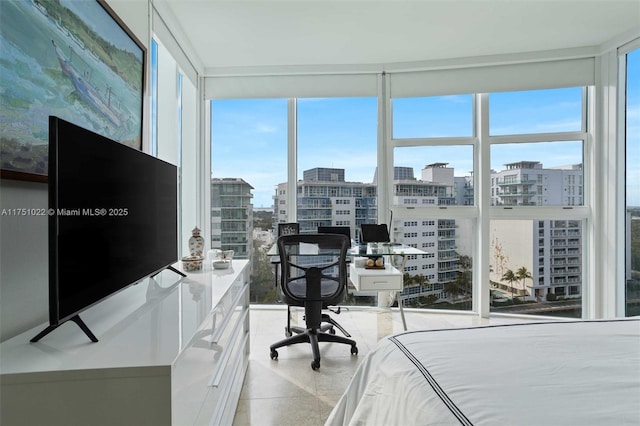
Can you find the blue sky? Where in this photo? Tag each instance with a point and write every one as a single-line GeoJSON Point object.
{"type": "Point", "coordinates": [250, 136]}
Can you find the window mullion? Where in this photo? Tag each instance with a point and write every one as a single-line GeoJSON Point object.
{"type": "Point", "coordinates": [292, 160]}
{"type": "Point", "coordinates": [482, 160]}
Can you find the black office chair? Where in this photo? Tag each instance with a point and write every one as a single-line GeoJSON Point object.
{"type": "Point", "coordinates": [374, 233]}
{"type": "Point", "coordinates": [315, 281]}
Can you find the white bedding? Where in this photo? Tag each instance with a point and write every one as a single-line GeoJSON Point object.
{"type": "Point", "coordinates": [553, 373]}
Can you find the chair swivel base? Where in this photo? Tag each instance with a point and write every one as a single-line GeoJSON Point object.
{"type": "Point", "coordinates": [313, 336]}
{"type": "Point", "coordinates": [324, 328]}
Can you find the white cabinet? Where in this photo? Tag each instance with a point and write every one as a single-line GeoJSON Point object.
{"type": "Point", "coordinates": [170, 351]}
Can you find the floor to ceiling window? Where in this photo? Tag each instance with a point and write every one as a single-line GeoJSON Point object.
{"type": "Point", "coordinates": [537, 148]}
{"type": "Point", "coordinates": [248, 162]}
{"type": "Point", "coordinates": [154, 97]}
{"type": "Point", "coordinates": [632, 133]}
{"type": "Point", "coordinates": [433, 164]}
{"type": "Point", "coordinates": [536, 144]}
{"type": "Point", "coordinates": [173, 131]}
{"type": "Point", "coordinates": [336, 163]}
{"type": "Point", "coordinates": [500, 175]}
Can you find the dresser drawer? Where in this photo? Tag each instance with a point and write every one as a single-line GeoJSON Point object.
{"type": "Point", "coordinates": [376, 279]}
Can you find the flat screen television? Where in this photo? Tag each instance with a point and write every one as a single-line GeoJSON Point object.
{"type": "Point", "coordinates": [113, 219]}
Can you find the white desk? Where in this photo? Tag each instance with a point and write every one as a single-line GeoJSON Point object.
{"type": "Point", "coordinates": [385, 281]}
{"type": "Point", "coordinates": [171, 351]}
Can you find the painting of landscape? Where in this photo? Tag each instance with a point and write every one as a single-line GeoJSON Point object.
{"type": "Point", "coordinates": [71, 59]}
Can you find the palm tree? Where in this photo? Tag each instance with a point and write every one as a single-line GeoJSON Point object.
{"type": "Point", "coordinates": [510, 277]}
{"type": "Point", "coordinates": [523, 274]}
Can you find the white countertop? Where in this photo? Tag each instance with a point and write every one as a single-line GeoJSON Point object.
{"type": "Point", "coordinates": [148, 324]}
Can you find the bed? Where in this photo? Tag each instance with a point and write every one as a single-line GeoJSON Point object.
{"type": "Point", "coordinates": [543, 373]}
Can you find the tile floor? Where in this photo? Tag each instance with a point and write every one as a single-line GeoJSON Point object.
{"type": "Point", "coordinates": [287, 391]}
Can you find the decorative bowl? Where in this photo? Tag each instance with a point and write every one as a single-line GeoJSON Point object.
{"type": "Point", "coordinates": [221, 264]}
{"type": "Point", "coordinates": [192, 263]}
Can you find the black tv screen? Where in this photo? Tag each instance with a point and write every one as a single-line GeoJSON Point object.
{"type": "Point", "coordinates": [113, 217]}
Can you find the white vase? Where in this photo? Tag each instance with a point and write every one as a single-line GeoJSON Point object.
{"type": "Point", "coordinates": [196, 243]}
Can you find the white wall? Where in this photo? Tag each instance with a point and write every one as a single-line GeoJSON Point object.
{"type": "Point", "coordinates": [24, 273]}
{"type": "Point", "coordinates": [24, 251]}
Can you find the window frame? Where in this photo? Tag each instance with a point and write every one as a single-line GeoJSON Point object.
{"type": "Point", "coordinates": [481, 211]}
{"type": "Point", "coordinates": [619, 85]}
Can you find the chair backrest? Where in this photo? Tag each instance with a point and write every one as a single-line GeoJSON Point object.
{"type": "Point", "coordinates": [344, 230]}
{"type": "Point", "coordinates": [289, 228]}
{"type": "Point", "coordinates": [314, 267]}
{"type": "Point", "coordinates": [374, 233]}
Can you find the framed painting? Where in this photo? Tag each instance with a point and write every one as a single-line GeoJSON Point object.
{"type": "Point", "coordinates": [69, 58]}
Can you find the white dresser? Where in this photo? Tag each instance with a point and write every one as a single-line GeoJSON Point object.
{"type": "Point", "coordinates": [170, 351]}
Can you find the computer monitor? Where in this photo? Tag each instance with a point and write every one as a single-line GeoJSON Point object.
{"type": "Point", "coordinates": [344, 230]}
{"type": "Point", "coordinates": [374, 233]}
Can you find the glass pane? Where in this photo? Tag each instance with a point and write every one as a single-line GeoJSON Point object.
{"type": "Point", "coordinates": [432, 117]}
{"type": "Point", "coordinates": [537, 174]}
{"type": "Point", "coordinates": [336, 163]}
{"type": "Point", "coordinates": [536, 267]}
{"type": "Point", "coordinates": [154, 97]}
{"type": "Point", "coordinates": [441, 278]}
{"type": "Point", "coordinates": [535, 111]}
{"type": "Point", "coordinates": [633, 184]}
{"type": "Point", "coordinates": [433, 176]}
{"type": "Point", "coordinates": [248, 160]}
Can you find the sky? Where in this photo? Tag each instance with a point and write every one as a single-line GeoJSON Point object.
{"type": "Point", "coordinates": [249, 136]}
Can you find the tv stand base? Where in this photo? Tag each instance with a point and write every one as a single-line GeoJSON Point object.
{"type": "Point", "coordinates": [171, 268]}
{"type": "Point", "coordinates": [76, 319]}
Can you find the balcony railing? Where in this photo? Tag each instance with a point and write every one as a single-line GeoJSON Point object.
{"type": "Point", "coordinates": [503, 182]}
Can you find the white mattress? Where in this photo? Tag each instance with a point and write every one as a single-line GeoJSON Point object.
{"type": "Point", "coordinates": [551, 373]}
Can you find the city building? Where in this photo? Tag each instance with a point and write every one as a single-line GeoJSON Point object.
{"type": "Point", "coordinates": [232, 216]}
{"type": "Point", "coordinates": [527, 183]}
{"type": "Point", "coordinates": [326, 199]}
{"type": "Point", "coordinates": [550, 250]}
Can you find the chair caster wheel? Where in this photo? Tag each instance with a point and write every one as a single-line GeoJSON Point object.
{"type": "Point", "coordinates": [274, 354]}
{"type": "Point", "coordinates": [354, 350]}
{"type": "Point", "coordinates": [315, 365]}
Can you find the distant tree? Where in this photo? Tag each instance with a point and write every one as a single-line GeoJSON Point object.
{"type": "Point", "coordinates": [634, 241]}
{"type": "Point", "coordinates": [263, 220]}
{"type": "Point", "coordinates": [523, 274]}
{"type": "Point", "coordinates": [428, 300]}
{"type": "Point", "coordinates": [462, 284]}
{"type": "Point", "coordinates": [262, 278]}
{"type": "Point", "coordinates": [510, 277]}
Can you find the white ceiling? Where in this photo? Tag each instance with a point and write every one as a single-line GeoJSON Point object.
{"type": "Point", "coordinates": [269, 33]}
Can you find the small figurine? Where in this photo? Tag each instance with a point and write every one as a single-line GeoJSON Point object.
{"type": "Point", "coordinates": [196, 243]}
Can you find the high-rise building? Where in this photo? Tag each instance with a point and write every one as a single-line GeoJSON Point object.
{"type": "Point", "coordinates": [550, 250]}
{"type": "Point", "coordinates": [324, 198]}
{"type": "Point", "coordinates": [527, 183]}
{"type": "Point", "coordinates": [232, 216]}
